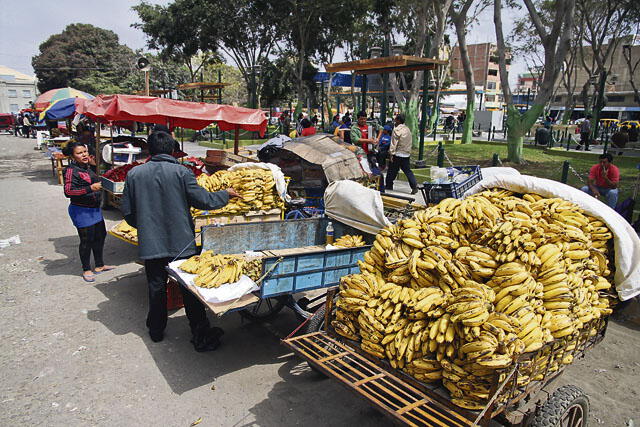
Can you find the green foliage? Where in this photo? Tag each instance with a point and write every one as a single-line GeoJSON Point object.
{"type": "Point", "coordinates": [85, 57]}
{"type": "Point", "coordinates": [235, 93]}
{"type": "Point", "coordinates": [178, 31]}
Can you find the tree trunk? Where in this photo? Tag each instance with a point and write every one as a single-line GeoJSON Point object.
{"type": "Point", "coordinates": [517, 126]}
{"type": "Point", "coordinates": [467, 129]}
{"type": "Point", "coordinates": [460, 24]}
{"type": "Point", "coordinates": [411, 120]}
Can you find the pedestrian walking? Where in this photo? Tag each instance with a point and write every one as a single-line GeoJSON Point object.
{"type": "Point", "coordinates": [400, 154]}
{"type": "Point", "coordinates": [585, 134]}
{"type": "Point", "coordinates": [156, 200]}
{"type": "Point", "coordinates": [82, 186]}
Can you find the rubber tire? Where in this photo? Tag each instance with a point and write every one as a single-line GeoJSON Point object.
{"type": "Point", "coordinates": [279, 303]}
{"type": "Point", "coordinates": [554, 409]}
{"type": "Point", "coordinates": [315, 324]}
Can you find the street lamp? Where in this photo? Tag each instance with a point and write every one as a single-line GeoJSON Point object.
{"type": "Point", "coordinates": [319, 90]}
{"type": "Point", "coordinates": [397, 50]}
{"type": "Point", "coordinates": [375, 52]}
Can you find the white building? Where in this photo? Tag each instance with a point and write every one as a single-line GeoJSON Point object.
{"type": "Point", "coordinates": [17, 90]}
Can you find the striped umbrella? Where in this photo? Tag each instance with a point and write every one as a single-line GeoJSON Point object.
{"type": "Point", "coordinates": [54, 95]}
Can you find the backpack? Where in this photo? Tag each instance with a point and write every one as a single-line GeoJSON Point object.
{"type": "Point", "coordinates": [625, 209]}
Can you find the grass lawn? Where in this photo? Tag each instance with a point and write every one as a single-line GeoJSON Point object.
{"type": "Point", "coordinates": [539, 162]}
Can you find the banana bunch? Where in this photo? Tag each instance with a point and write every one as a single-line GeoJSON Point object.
{"type": "Point", "coordinates": [255, 186]}
{"type": "Point", "coordinates": [212, 270]}
{"type": "Point", "coordinates": [349, 241]}
{"type": "Point", "coordinates": [126, 231]}
{"type": "Point", "coordinates": [463, 288]}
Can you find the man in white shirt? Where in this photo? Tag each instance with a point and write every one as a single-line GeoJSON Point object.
{"type": "Point", "coordinates": [400, 155]}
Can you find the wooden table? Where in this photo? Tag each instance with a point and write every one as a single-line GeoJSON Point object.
{"type": "Point", "coordinates": [57, 165]}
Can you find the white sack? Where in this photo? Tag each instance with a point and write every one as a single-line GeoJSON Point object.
{"type": "Point", "coordinates": [499, 170]}
{"type": "Point", "coordinates": [278, 176]}
{"type": "Point", "coordinates": [224, 293]}
{"type": "Point", "coordinates": [625, 240]}
{"type": "Point", "coordinates": [355, 205]}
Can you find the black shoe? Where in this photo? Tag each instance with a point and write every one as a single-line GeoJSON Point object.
{"type": "Point", "coordinates": [587, 149]}
{"type": "Point", "coordinates": [156, 336]}
{"type": "Point", "coordinates": [206, 339]}
{"type": "Point", "coordinates": [414, 191]}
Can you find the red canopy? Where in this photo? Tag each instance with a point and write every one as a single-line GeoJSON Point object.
{"type": "Point", "coordinates": [172, 113]}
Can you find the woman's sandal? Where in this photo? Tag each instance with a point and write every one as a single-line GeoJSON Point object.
{"type": "Point", "coordinates": [89, 277]}
{"type": "Point", "coordinates": [104, 268]}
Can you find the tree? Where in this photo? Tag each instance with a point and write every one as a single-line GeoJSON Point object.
{"type": "Point", "coordinates": [555, 36]}
{"type": "Point", "coordinates": [177, 32]}
{"type": "Point", "coordinates": [632, 67]}
{"type": "Point", "coordinates": [235, 93]}
{"type": "Point", "coordinates": [252, 28]}
{"type": "Point", "coordinates": [164, 74]}
{"type": "Point", "coordinates": [461, 21]}
{"type": "Point", "coordinates": [311, 28]}
{"type": "Point", "coordinates": [424, 20]}
{"type": "Point", "coordinates": [85, 57]}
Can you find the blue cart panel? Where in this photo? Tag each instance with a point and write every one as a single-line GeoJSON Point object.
{"type": "Point", "coordinates": [304, 272]}
{"type": "Point", "coordinates": [296, 272]}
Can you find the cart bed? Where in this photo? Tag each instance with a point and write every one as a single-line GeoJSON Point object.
{"type": "Point", "coordinates": [403, 402]}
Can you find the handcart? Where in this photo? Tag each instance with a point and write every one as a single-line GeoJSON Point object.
{"type": "Point", "coordinates": [294, 261]}
{"type": "Point", "coordinates": [410, 402]}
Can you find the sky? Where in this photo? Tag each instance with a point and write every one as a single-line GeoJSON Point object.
{"type": "Point", "coordinates": [24, 24]}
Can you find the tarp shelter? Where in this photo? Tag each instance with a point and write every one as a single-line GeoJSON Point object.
{"type": "Point", "coordinates": [173, 113]}
{"type": "Point", "coordinates": [314, 161]}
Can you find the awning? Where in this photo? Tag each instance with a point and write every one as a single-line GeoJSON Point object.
{"type": "Point", "coordinates": [173, 113]}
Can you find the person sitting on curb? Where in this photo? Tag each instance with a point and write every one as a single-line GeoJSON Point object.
{"type": "Point", "coordinates": [603, 181]}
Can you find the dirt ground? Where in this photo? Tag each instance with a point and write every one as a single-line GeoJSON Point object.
{"type": "Point", "coordinates": [73, 353]}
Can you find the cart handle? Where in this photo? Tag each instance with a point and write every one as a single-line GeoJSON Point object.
{"type": "Point", "coordinates": [495, 395]}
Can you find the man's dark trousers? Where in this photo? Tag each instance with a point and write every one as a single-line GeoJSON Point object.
{"type": "Point", "coordinates": [157, 280]}
{"type": "Point", "coordinates": [395, 165]}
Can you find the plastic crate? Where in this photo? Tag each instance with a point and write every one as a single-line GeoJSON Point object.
{"type": "Point", "coordinates": [174, 296]}
{"type": "Point", "coordinates": [434, 193]}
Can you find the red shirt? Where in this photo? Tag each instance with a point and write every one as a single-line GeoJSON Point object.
{"type": "Point", "coordinates": [597, 175]}
{"type": "Point", "coordinates": [364, 130]}
{"type": "Point", "coordinates": [308, 131]}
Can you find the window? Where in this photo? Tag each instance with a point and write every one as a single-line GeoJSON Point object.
{"type": "Point", "coordinates": [12, 93]}
{"type": "Point", "coordinates": [26, 93]}
{"type": "Point", "coordinates": [493, 72]}
{"type": "Point", "coordinates": [490, 98]}
{"type": "Point", "coordinates": [491, 85]}
{"type": "Point", "coordinates": [558, 98]}
{"type": "Point", "coordinates": [14, 108]}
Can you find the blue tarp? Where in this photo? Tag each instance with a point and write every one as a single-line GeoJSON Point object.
{"type": "Point", "coordinates": [61, 109]}
{"type": "Point", "coordinates": [339, 79]}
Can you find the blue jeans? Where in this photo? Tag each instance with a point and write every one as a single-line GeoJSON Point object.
{"type": "Point", "coordinates": [610, 195]}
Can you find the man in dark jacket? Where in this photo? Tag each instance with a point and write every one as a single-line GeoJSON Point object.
{"type": "Point", "coordinates": [156, 200]}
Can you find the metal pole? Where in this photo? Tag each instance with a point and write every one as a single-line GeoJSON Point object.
{"type": "Point", "coordinates": [146, 83]}
{"type": "Point", "coordinates": [236, 141]}
{"type": "Point", "coordinates": [220, 88]}
{"type": "Point", "coordinates": [528, 94]}
{"type": "Point", "coordinates": [423, 121]}
{"type": "Point", "coordinates": [322, 104]}
{"type": "Point", "coordinates": [565, 172]}
{"type": "Point", "coordinates": [364, 93]}
{"type": "Point", "coordinates": [385, 83]}
{"type": "Point", "coordinates": [440, 155]}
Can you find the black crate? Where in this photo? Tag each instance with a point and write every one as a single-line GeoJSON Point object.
{"type": "Point", "coordinates": [434, 193]}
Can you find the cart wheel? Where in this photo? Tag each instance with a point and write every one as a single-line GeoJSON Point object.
{"type": "Point", "coordinates": [567, 407]}
{"type": "Point", "coordinates": [314, 324]}
{"type": "Point", "coordinates": [263, 310]}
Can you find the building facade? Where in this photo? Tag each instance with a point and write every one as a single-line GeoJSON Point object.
{"type": "Point", "coordinates": [484, 62]}
{"type": "Point", "coordinates": [17, 90]}
{"type": "Point", "coordinates": [620, 99]}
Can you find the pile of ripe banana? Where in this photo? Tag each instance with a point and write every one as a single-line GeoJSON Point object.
{"type": "Point", "coordinates": [213, 270]}
{"type": "Point", "coordinates": [463, 288]}
{"type": "Point", "coordinates": [126, 231]}
{"type": "Point", "coordinates": [349, 241]}
{"type": "Point", "coordinates": [255, 186]}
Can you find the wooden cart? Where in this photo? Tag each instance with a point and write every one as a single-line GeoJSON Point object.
{"type": "Point", "coordinates": [408, 401]}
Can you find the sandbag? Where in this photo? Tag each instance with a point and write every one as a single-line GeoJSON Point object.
{"type": "Point", "coordinates": [355, 205]}
{"type": "Point", "coordinates": [625, 239]}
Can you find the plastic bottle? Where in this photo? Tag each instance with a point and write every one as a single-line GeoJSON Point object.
{"type": "Point", "coordinates": [329, 233]}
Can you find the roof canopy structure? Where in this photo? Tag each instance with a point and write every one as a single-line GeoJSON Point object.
{"type": "Point", "coordinates": [387, 64]}
{"type": "Point", "coordinates": [202, 85]}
